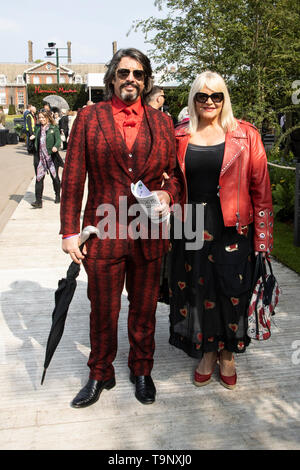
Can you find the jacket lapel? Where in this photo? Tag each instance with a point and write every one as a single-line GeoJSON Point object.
{"type": "Point", "coordinates": [234, 145]}
{"type": "Point", "coordinates": [112, 135]}
{"type": "Point", "coordinates": [152, 122]}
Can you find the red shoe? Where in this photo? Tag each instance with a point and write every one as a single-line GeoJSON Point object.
{"type": "Point", "coordinates": [201, 379]}
{"type": "Point", "coordinates": [228, 381]}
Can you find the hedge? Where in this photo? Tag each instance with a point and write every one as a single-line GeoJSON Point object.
{"type": "Point", "coordinates": [75, 100]}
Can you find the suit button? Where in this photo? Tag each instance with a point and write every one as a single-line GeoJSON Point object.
{"type": "Point", "coordinates": [130, 169]}
{"type": "Point", "coordinates": [130, 155]}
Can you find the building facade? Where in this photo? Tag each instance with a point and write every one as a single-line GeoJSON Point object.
{"type": "Point", "coordinates": [14, 78]}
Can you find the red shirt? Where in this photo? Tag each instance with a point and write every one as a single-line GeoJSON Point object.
{"type": "Point", "coordinates": [127, 118]}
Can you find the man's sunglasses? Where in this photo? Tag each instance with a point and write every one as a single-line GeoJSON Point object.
{"type": "Point", "coordinates": [138, 74]}
{"type": "Point", "coordinates": [203, 97]}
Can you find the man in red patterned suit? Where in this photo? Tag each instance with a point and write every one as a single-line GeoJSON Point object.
{"type": "Point", "coordinates": [115, 143]}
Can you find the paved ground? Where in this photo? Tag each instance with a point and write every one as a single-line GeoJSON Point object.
{"type": "Point", "coordinates": [16, 172]}
{"type": "Point", "coordinates": [262, 413]}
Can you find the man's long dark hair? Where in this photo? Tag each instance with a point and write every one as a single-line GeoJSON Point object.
{"type": "Point", "coordinates": [113, 64]}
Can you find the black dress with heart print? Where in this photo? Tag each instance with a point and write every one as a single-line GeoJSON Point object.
{"type": "Point", "coordinates": [209, 286]}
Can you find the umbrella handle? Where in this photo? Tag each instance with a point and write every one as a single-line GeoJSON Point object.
{"type": "Point", "coordinates": [86, 232]}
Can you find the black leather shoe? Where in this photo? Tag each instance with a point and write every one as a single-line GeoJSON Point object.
{"type": "Point", "coordinates": [57, 199]}
{"type": "Point", "coordinates": [37, 205]}
{"type": "Point", "coordinates": [144, 388]}
{"type": "Point", "coordinates": [90, 393]}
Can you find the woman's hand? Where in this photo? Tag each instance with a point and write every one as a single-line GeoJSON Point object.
{"type": "Point", "coordinates": [71, 246]}
{"type": "Point", "coordinates": [32, 137]}
{"type": "Point", "coordinates": [165, 177]}
{"type": "Point", "coordinates": [264, 253]}
{"type": "Point", "coordinates": [54, 149]}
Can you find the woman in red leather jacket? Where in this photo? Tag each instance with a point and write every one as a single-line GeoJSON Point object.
{"type": "Point", "coordinates": [224, 167]}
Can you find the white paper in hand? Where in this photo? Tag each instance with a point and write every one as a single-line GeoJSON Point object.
{"type": "Point", "coordinates": [148, 200]}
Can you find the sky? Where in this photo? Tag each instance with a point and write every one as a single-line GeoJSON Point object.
{"type": "Point", "coordinates": [90, 25]}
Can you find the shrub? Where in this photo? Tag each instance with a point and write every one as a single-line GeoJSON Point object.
{"type": "Point", "coordinates": [19, 128]}
{"type": "Point", "coordinates": [283, 191]}
{"type": "Point", "coordinates": [11, 109]}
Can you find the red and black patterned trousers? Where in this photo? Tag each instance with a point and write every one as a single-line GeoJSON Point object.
{"type": "Point", "coordinates": [105, 285]}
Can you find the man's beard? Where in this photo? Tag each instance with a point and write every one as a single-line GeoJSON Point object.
{"type": "Point", "coordinates": [132, 96]}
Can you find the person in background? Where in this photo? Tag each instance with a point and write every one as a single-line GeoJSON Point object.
{"type": "Point", "coordinates": [71, 116]}
{"type": "Point", "coordinates": [183, 118]}
{"type": "Point", "coordinates": [56, 117]}
{"type": "Point", "coordinates": [46, 144]}
{"type": "Point", "coordinates": [2, 118]}
{"type": "Point", "coordinates": [47, 107]}
{"type": "Point", "coordinates": [27, 111]}
{"type": "Point", "coordinates": [156, 97]}
{"type": "Point", "coordinates": [224, 164]}
{"type": "Point", "coordinates": [30, 128]}
{"type": "Point", "coordinates": [64, 128]}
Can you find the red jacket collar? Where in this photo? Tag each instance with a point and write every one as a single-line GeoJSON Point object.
{"type": "Point", "coordinates": [239, 132]}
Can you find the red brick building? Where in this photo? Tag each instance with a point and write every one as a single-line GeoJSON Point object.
{"type": "Point", "coordinates": [14, 77]}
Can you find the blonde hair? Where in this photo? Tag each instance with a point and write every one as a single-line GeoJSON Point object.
{"type": "Point", "coordinates": [215, 82]}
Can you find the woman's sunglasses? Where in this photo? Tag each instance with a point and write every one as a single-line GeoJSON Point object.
{"type": "Point", "coordinates": [138, 74]}
{"type": "Point", "coordinates": [203, 97]}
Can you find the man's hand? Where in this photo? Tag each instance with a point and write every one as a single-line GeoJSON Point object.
{"type": "Point", "coordinates": [32, 137]}
{"type": "Point", "coordinates": [71, 246]}
{"type": "Point", "coordinates": [163, 197]}
{"type": "Point", "coordinates": [54, 149]}
{"type": "Point", "coordinates": [164, 200]}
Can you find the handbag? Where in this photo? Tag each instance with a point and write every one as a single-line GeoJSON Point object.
{"type": "Point", "coordinates": [59, 159]}
{"type": "Point", "coordinates": [263, 300]}
{"type": "Point", "coordinates": [62, 136]}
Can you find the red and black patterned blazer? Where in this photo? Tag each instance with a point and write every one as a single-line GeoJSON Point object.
{"type": "Point", "coordinates": [96, 150]}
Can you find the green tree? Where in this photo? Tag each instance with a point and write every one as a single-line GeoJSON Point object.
{"type": "Point", "coordinates": [254, 45]}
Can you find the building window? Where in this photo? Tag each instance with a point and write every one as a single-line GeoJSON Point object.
{"type": "Point", "coordinates": [2, 80]}
{"type": "Point", "coordinates": [49, 80]}
{"type": "Point", "coordinates": [20, 80]}
{"type": "Point", "coordinates": [20, 98]}
{"type": "Point", "coordinates": [36, 80]}
{"type": "Point", "coordinates": [2, 98]}
{"type": "Point", "coordinates": [78, 79]}
{"type": "Point", "coordinates": [62, 79]}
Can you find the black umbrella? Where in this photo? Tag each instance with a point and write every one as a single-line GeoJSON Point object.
{"type": "Point", "coordinates": [63, 298]}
